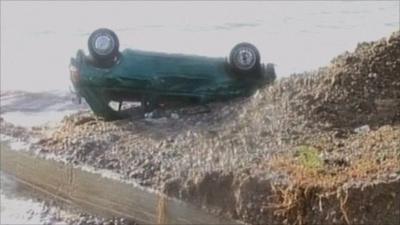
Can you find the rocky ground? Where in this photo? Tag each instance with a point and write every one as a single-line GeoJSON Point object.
{"type": "Point", "coordinates": [316, 131]}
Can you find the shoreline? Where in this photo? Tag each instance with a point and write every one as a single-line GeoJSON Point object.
{"type": "Point", "coordinates": [306, 142]}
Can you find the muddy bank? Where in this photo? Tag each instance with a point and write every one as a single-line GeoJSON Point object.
{"type": "Point", "coordinates": [100, 193]}
{"type": "Point", "coordinates": [265, 201]}
{"type": "Point", "coordinates": [289, 154]}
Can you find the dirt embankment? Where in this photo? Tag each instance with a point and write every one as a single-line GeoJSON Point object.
{"type": "Point", "coordinates": [314, 148]}
{"type": "Point", "coordinates": [359, 88]}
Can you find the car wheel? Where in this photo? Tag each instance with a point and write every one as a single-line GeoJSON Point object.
{"type": "Point", "coordinates": [103, 46]}
{"type": "Point", "coordinates": [244, 58]}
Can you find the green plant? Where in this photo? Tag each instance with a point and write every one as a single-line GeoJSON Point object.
{"type": "Point", "coordinates": [309, 157]}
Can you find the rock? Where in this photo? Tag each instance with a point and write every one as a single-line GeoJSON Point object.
{"type": "Point", "coordinates": [175, 116]}
{"type": "Point", "coordinates": [362, 130]}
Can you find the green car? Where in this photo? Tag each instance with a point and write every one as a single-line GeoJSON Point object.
{"type": "Point", "coordinates": [107, 76]}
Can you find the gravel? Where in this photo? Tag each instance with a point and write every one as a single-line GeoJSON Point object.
{"type": "Point", "coordinates": [241, 133]}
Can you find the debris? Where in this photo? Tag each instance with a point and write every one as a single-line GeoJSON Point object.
{"type": "Point", "coordinates": [362, 130]}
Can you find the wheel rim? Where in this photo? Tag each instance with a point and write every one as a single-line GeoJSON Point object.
{"type": "Point", "coordinates": [103, 44]}
{"type": "Point", "coordinates": [245, 58]}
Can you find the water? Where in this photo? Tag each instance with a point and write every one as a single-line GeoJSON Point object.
{"type": "Point", "coordinates": [37, 109]}
{"type": "Point", "coordinates": [16, 206]}
{"type": "Point", "coordinates": [38, 38]}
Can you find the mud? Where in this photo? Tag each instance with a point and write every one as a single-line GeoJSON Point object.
{"type": "Point", "coordinates": [243, 159]}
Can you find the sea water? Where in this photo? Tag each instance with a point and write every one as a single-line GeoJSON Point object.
{"type": "Point", "coordinates": [39, 38]}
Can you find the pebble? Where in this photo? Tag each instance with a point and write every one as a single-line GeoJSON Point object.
{"type": "Point", "coordinates": [175, 116]}
{"type": "Point", "coordinates": [363, 129]}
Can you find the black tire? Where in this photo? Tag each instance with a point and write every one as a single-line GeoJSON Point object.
{"type": "Point", "coordinates": [103, 54]}
{"type": "Point", "coordinates": [269, 72]}
{"type": "Point", "coordinates": [245, 58]}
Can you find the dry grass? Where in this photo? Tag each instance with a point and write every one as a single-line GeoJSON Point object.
{"type": "Point", "coordinates": [310, 177]}
{"type": "Point", "coordinates": [378, 154]}
{"type": "Point", "coordinates": [307, 183]}
{"type": "Point", "coordinates": [328, 179]}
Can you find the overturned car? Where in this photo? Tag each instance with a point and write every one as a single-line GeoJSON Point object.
{"type": "Point", "coordinates": [107, 76]}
